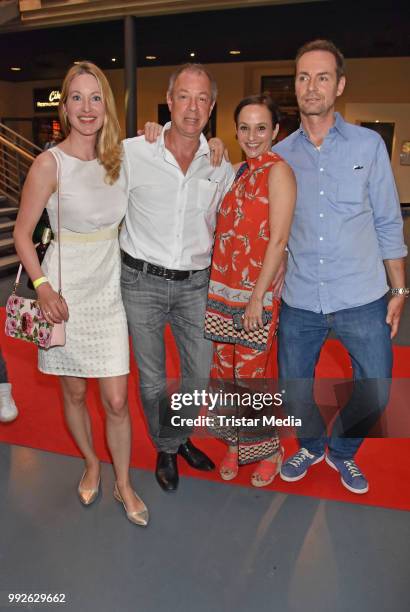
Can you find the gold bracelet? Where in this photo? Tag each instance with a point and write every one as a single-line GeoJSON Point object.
{"type": "Point", "coordinates": [40, 281]}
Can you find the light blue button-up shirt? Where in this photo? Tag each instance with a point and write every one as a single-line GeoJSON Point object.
{"type": "Point", "coordinates": [347, 219]}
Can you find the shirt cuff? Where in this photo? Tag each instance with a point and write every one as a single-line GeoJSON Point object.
{"type": "Point", "coordinates": [394, 253]}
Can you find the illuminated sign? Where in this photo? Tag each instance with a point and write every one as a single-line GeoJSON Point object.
{"type": "Point", "coordinates": [46, 99]}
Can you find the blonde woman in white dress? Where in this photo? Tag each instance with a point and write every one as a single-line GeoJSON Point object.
{"type": "Point", "coordinates": [93, 199]}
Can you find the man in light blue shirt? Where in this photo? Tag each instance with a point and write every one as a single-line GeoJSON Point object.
{"type": "Point", "coordinates": [347, 232]}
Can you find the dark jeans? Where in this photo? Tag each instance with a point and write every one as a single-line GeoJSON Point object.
{"type": "Point", "coordinates": [365, 334]}
{"type": "Point", "coordinates": [3, 370]}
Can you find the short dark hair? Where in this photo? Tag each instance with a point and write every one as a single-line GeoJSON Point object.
{"type": "Point", "coordinates": [262, 100]}
{"type": "Point", "coordinates": [321, 44]}
{"type": "Point", "coordinates": [199, 69]}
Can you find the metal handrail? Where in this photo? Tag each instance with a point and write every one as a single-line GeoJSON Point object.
{"type": "Point", "coordinates": [16, 156]}
{"type": "Point", "coordinates": [8, 186]}
{"type": "Point", "coordinates": [10, 160]}
{"type": "Point", "coordinates": [18, 149]}
{"type": "Point", "coordinates": [11, 149]}
{"type": "Point", "coordinates": [10, 177]}
{"type": "Point", "coordinates": [11, 134]}
{"type": "Point", "coordinates": [11, 174]}
{"type": "Point", "coordinates": [10, 156]}
{"type": "Point", "coordinates": [10, 197]}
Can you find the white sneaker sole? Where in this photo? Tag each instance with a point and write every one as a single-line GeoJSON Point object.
{"type": "Point", "coordinates": [8, 412]}
{"type": "Point", "coordinates": [344, 483]}
{"type": "Point", "coordinates": [9, 418]}
{"type": "Point", "coordinates": [296, 478]}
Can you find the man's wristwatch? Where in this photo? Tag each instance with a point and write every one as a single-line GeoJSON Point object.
{"type": "Point", "coordinates": [400, 291]}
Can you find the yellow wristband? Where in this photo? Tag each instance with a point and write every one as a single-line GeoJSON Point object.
{"type": "Point", "coordinates": [40, 281]}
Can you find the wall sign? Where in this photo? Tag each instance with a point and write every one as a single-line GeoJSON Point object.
{"type": "Point", "coordinates": [46, 99]}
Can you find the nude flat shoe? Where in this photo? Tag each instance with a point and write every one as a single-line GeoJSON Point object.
{"type": "Point", "coordinates": [88, 496]}
{"type": "Point", "coordinates": [138, 518]}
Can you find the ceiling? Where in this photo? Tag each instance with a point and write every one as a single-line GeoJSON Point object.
{"type": "Point", "coordinates": [47, 13]}
{"type": "Point", "coordinates": [360, 28]}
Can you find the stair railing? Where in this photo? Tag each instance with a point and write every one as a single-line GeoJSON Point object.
{"type": "Point", "coordinates": [16, 156]}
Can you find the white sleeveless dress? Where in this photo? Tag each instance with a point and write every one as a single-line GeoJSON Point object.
{"type": "Point", "coordinates": [96, 332]}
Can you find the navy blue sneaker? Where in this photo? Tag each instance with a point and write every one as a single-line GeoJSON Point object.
{"type": "Point", "coordinates": [296, 467]}
{"type": "Point", "coordinates": [350, 475]}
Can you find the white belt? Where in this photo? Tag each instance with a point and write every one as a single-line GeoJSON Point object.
{"type": "Point", "coordinates": [105, 234]}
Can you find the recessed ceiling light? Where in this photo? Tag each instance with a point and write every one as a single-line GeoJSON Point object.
{"type": "Point", "coordinates": [235, 52]}
{"type": "Point", "coordinates": [192, 54]}
{"type": "Point", "coordinates": [113, 59]}
{"type": "Point", "coordinates": [150, 57]}
{"type": "Point", "coordinates": [15, 68]}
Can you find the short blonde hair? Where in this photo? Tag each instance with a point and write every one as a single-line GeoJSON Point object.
{"type": "Point", "coordinates": [108, 148]}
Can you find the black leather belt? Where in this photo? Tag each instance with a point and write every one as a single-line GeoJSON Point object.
{"type": "Point", "coordinates": [139, 264]}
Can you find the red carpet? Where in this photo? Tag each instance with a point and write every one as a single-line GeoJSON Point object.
{"type": "Point", "coordinates": [40, 425]}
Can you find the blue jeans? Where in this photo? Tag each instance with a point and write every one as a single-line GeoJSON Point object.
{"type": "Point", "coordinates": [150, 303]}
{"type": "Point", "coordinates": [365, 334]}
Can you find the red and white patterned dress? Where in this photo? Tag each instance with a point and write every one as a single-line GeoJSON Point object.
{"type": "Point", "coordinates": [241, 239]}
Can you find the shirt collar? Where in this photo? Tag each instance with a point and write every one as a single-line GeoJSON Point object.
{"type": "Point", "coordinates": [339, 126]}
{"type": "Point", "coordinates": [203, 148]}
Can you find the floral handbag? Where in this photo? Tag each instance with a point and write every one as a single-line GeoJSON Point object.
{"type": "Point", "coordinates": [26, 321]}
{"type": "Point", "coordinates": [24, 317]}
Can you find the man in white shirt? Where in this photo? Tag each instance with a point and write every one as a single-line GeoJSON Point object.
{"type": "Point", "coordinates": [167, 237]}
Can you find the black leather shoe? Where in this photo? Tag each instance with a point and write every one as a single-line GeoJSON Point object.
{"type": "Point", "coordinates": [166, 471]}
{"type": "Point", "coordinates": [195, 457]}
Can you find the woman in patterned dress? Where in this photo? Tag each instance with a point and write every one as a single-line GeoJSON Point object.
{"type": "Point", "coordinates": [251, 235]}
{"type": "Point", "coordinates": [93, 200]}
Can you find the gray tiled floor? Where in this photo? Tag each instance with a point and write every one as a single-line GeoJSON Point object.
{"type": "Point", "coordinates": [210, 547]}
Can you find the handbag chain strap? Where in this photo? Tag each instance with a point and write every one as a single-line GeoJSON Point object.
{"type": "Point", "coordinates": [57, 156]}
{"type": "Point", "coordinates": [17, 281]}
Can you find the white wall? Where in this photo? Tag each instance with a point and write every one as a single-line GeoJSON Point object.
{"type": "Point", "coordinates": [399, 114]}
